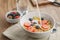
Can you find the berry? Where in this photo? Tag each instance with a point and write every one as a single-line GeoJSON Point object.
{"type": "Point", "coordinates": [17, 17]}
{"type": "Point", "coordinates": [34, 23]}
{"type": "Point", "coordinates": [54, 30]}
{"type": "Point", "coordinates": [33, 30]}
{"type": "Point", "coordinates": [28, 28]}
{"type": "Point", "coordinates": [30, 19]}
{"type": "Point", "coordinates": [37, 26]}
{"type": "Point", "coordinates": [17, 14]}
{"type": "Point", "coordinates": [26, 24]}
{"type": "Point", "coordinates": [14, 14]}
{"type": "Point", "coordinates": [42, 18]}
{"type": "Point", "coordinates": [10, 14]}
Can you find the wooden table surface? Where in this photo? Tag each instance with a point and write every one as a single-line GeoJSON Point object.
{"type": "Point", "coordinates": [7, 5]}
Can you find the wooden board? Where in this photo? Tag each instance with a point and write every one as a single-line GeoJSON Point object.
{"type": "Point", "coordinates": [40, 2]}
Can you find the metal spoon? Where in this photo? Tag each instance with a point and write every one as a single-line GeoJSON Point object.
{"type": "Point", "coordinates": [55, 2]}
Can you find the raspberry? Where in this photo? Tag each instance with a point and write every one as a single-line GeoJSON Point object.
{"type": "Point", "coordinates": [13, 12]}
{"type": "Point", "coordinates": [17, 17]}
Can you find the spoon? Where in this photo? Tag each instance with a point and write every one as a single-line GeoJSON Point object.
{"type": "Point", "coordinates": [55, 2]}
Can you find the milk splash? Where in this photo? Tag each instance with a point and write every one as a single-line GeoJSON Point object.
{"type": "Point", "coordinates": [38, 11]}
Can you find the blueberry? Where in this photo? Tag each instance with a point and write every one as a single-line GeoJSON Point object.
{"type": "Point", "coordinates": [10, 14]}
{"type": "Point", "coordinates": [37, 26]}
{"type": "Point", "coordinates": [30, 19]}
{"type": "Point", "coordinates": [13, 14]}
{"type": "Point", "coordinates": [54, 29]}
{"type": "Point", "coordinates": [42, 18]}
{"type": "Point", "coordinates": [17, 14]}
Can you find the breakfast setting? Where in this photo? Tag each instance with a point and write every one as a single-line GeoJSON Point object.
{"type": "Point", "coordinates": [29, 19]}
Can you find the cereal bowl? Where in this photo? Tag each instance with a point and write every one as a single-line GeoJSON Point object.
{"type": "Point", "coordinates": [37, 34]}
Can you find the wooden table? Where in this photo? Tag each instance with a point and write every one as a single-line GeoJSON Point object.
{"type": "Point", "coordinates": [7, 5]}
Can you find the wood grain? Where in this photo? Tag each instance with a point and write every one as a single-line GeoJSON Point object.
{"type": "Point", "coordinates": [5, 6]}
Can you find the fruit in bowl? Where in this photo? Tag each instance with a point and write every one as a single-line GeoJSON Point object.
{"type": "Point", "coordinates": [13, 16]}
{"type": "Point", "coordinates": [30, 23]}
{"type": "Point", "coordinates": [34, 25]}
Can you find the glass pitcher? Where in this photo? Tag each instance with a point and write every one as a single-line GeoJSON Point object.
{"type": "Point", "coordinates": [22, 6]}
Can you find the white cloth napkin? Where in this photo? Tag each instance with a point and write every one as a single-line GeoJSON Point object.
{"type": "Point", "coordinates": [16, 33]}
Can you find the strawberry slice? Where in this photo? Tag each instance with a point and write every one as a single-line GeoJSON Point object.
{"type": "Point", "coordinates": [45, 26]}
{"type": "Point", "coordinates": [33, 30]}
{"type": "Point", "coordinates": [28, 28]}
{"type": "Point", "coordinates": [44, 21]}
{"type": "Point", "coordinates": [26, 24]}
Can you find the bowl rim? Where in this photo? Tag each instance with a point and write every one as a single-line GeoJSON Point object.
{"type": "Point", "coordinates": [9, 13]}
{"type": "Point", "coordinates": [39, 32]}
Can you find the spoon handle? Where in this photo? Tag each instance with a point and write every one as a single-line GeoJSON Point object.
{"type": "Point", "coordinates": [56, 4]}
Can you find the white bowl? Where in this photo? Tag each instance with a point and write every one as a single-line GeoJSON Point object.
{"type": "Point", "coordinates": [12, 20]}
{"type": "Point", "coordinates": [37, 34]}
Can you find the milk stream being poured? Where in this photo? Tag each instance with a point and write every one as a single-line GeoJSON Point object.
{"type": "Point", "coordinates": [38, 11]}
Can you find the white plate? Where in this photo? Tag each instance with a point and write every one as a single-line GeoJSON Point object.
{"type": "Point", "coordinates": [16, 33]}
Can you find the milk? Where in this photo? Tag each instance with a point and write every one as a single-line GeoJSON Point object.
{"type": "Point", "coordinates": [38, 11]}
